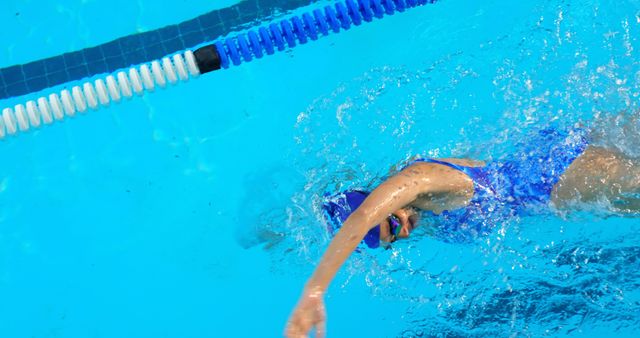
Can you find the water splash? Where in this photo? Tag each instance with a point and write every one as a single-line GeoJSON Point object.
{"type": "Point", "coordinates": [571, 62]}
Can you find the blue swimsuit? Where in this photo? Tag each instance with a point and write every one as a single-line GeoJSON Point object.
{"type": "Point", "coordinates": [515, 186]}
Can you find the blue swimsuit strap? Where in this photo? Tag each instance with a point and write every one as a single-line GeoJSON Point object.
{"type": "Point", "coordinates": [448, 164]}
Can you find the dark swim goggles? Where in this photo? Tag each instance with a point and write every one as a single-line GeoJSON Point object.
{"type": "Point", "coordinates": [395, 226]}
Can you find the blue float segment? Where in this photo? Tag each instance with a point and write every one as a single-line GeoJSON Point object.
{"type": "Point", "coordinates": [310, 26]}
{"type": "Point", "coordinates": [354, 12]}
{"type": "Point", "coordinates": [378, 11]}
{"type": "Point", "coordinates": [267, 43]}
{"type": "Point", "coordinates": [343, 15]}
{"type": "Point", "coordinates": [323, 25]}
{"type": "Point", "coordinates": [254, 44]}
{"type": "Point", "coordinates": [244, 47]}
{"type": "Point", "coordinates": [298, 30]}
{"type": "Point", "coordinates": [364, 7]}
{"type": "Point", "coordinates": [307, 26]}
{"type": "Point", "coordinates": [233, 51]}
{"type": "Point", "coordinates": [400, 5]}
{"type": "Point", "coordinates": [224, 59]}
{"type": "Point", "coordinates": [332, 19]}
{"type": "Point", "coordinates": [276, 33]}
{"type": "Point", "coordinates": [287, 29]}
{"type": "Point", "coordinates": [389, 8]}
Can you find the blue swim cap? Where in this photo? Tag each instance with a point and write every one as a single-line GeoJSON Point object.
{"type": "Point", "coordinates": [338, 207]}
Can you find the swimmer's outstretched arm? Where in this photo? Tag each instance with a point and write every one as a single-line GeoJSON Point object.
{"type": "Point", "coordinates": [395, 193]}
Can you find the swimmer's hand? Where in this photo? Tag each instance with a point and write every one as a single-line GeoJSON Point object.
{"type": "Point", "coordinates": [308, 314]}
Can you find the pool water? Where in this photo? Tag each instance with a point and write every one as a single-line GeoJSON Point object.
{"type": "Point", "coordinates": [193, 212]}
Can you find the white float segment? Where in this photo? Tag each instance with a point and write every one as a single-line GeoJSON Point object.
{"type": "Point", "coordinates": [45, 110]}
{"type": "Point", "coordinates": [90, 95]}
{"type": "Point", "coordinates": [125, 88]}
{"type": "Point", "coordinates": [158, 75]}
{"type": "Point", "coordinates": [113, 88]}
{"type": "Point", "coordinates": [56, 106]}
{"type": "Point", "coordinates": [21, 117]}
{"type": "Point", "coordinates": [191, 63]}
{"type": "Point", "coordinates": [33, 114]}
{"type": "Point", "coordinates": [169, 71]}
{"type": "Point", "coordinates": [9, 121]}
{"type": "Point", "coordinates": [67, 102]}
{"type": "Point", "coordinates": [136, 82]}
{"type": "Point", "coordinates": [181, 68]}
{"type": "Point", "coordinates": [101, 89]}
{"type": "Point", "coordinates": [145, 73]}
{"type": "Point", "coordinates": [78, 99]}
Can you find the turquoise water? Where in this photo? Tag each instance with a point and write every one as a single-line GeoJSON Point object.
{"type": "Point", "coordinates": [141, 220]}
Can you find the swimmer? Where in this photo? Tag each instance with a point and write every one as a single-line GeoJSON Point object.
{"type": "Point", "coordinates": [553, 169]}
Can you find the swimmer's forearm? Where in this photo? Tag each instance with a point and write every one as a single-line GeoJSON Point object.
{"type": "Point", "coordinates": [340, 248]}
{"type": "Point", "coordinates": [395, 193]}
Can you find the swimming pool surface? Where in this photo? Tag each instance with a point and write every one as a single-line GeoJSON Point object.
{"type": "Point", "coordinates": [141, 220]}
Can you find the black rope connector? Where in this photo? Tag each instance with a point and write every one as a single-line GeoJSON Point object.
{"type": "Point", "coordinates": [207, 59]}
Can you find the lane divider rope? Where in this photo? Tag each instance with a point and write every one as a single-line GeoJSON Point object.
{"type": "Point", "coordinates": [170, 70]}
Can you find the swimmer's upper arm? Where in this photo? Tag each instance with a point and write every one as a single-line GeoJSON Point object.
{"type": "Point", "coordinates": [437, 178]}
{"type": "Point", "coordinates": [405, 187]}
